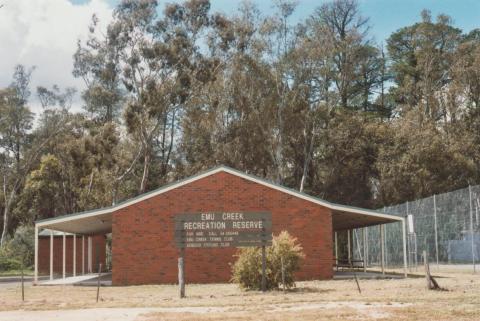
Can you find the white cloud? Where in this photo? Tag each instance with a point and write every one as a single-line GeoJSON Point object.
{"type": "Point", "coordinates": [44, 33]}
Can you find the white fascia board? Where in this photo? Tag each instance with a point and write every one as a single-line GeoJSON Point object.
{"type": "Point", "coordinates": [135, 200]}
{"type": "Point", "coordinates": [251, 178]}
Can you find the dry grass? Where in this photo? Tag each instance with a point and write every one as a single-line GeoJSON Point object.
{"type": "Point", "coordinates": [404, 299]}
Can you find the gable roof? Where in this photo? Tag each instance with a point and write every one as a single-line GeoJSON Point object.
{"type": "Point", "coordinates": [226, 169]}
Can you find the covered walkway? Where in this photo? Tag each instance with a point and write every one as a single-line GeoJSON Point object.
{"type": "Point", "coordinates": [85, 280]}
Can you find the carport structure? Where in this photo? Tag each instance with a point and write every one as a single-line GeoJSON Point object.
{"type": "Point", "coordinates": [222, 189]}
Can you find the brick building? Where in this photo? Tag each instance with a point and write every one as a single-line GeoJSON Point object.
{"type": "Point", "coordinates": [142, 229]}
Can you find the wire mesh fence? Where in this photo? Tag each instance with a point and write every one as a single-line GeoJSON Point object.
{"type": "Point", "coordinates": [446, 226]}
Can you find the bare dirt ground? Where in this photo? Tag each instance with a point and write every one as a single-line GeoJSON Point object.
{"type": "Point", "coordinates": [400, 299]}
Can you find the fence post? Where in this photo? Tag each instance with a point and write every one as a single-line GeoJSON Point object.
{"type": "Point", "coordinates": [471, 227]}
{"type": "Point", "coordinates": [181, 272]}
{"type": "Point", "coordinates": [404, 236]}
{"type": "Point", "coordinates": [436, 228]}
{"type": "Point", "coordinates": [23, 281]}
{"type": "Point", "coordinates": [98, 280]}
{"type": "Point", "coordinates": [264, 263]}
{"type": "Point", "coordinates": [409, 245]}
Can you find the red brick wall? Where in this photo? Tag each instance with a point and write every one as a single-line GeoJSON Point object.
{"type": "Point", "coordinates": [143, 249]}
{"type": "Point", "coordinates": [98, 242]}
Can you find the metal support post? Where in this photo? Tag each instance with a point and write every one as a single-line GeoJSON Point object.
{"type": "Point", "coordinates": [64, 256]}
{"type": "Point", "coordinates": [382, 246]}
{"type": "Point", "coordinates": [35, 274]}
{"type": "Point", "coordinates": [404, 236]}
{"type": "Point", "coordinates": [74, 255]}
{"type": "Point", "coordinates": [336, 249]}
{"type": "Point", "coordinates": [436, 228]}
{"type": "Point", "coordinates": [348, 248]}
{"type": "Point", "coordinates": [471, 227]}
{"type": "Point", "coordinates": [364, 250]}
{"type": "Point", "coordinates": [51, 255]}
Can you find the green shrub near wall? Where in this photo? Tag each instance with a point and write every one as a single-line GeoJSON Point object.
{"type": "Point", "coordinates": [247, 270]}
{"type": "Point", "coordinates": [9, 264]}
{"type": "Point", "coordinates": [17, 249]}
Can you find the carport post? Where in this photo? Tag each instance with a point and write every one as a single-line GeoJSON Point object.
{"type": "Point", "coordinates": [404, 235]}
{"type": "Point", "coordinates": [74, 255]}
{"type": "Point", "coordinates": [63, 263]}
{"type": "Point", "coordinates": [364, 250]}
{"type": "Point", "coordinates": [336, 249]}
{"type": "Point", "coordinates": [348, 247]}
{"type": "Point", "coordinates": [382, 247]}
{"type": "Point", "coordinates": [35, 275]}
{"type": "Point", "coordinates": [83, 254]}
{"type": "Point", "coordinates": [89, 255]}
{"type": "Point", "coordinates": [51, 254]}
{"type": "Point", "coordinates": [366, 246]}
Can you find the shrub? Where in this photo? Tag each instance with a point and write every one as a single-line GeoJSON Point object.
{"type": "Point", "coordinates": [9, 264]}
{"type": "Point", "coordinates": [247, 270]}
{"type": "Point", "coordinates": [18, 249]}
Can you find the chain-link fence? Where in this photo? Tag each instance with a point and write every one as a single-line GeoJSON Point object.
{"type": "Point", "coordinates": [446, 226]}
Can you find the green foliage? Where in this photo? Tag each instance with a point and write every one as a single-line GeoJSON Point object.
{"type": "Point", "coordinates": [18, 250]}
{"type": "Point", "coordinates": [247, 270]}
{"type": "Point", "coordinates": [9, 264]}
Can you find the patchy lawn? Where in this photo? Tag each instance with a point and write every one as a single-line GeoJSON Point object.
{"type": "Point", "coordinates": [26, 272]}
{"type": "Point", "coordinates": [403, 299]}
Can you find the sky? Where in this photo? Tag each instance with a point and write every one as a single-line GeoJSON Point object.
{"type": "Point", "coordinates": [44, 33]}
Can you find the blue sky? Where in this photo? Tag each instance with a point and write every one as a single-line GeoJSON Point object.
{"type": "Point", "coordinates": [386, 16]}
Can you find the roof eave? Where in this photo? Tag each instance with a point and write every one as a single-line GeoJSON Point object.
{"type": "Point", "coordinates": [174, 185]}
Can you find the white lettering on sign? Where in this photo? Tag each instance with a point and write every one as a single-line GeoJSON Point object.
{"type": "Point", "coordinates": [208, 216]}
{"type": "Point", "coordinates": [232, 216]}
{"type": "Point", "coordinates": [204, 225]}
{"type": "Point", "coordinates": [248, 224]}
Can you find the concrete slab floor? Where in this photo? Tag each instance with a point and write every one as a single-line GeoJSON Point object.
{"type": "Point", "coordinates": [88, 279]}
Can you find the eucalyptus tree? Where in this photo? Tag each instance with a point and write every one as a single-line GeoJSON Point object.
{"type": "Point", "coordinates": [421, 56]}
{"type": "Point", "coordinates": [15, 124]}
{"type": "Point", "coordinates": [280, 40]}
{"type": "Point", "coordinates": [20, 145]}
{"type": "Point", "coordinates": [347, 30]}
{"type": "Point", "coordinates": [97, 63]}
{"type": "Point", "coordinates": [157, 61]}
{"type": "Point", "coordinates": [466, 69]}
{"type": "Point", "coordinates": [228, 120]}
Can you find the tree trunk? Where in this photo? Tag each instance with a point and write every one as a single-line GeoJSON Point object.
{"type": "Point", "coordinates": [306, 163]}
{"type": "Point", "coordinates": [146, 168]}
{"type": "Point", "coordinates": [6, 216]}
{"type": "Point", "coordinates": [5, 225]}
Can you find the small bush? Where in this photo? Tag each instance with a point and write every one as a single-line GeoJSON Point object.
{"type": "Point", "coordinates": [18, 249]}
{"type": "Point", "coordinates": [247, 270]}
{"type": "Point", "coordinates": [9, 264]}
{"type": "Point", "coordinates": [22, 245]}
